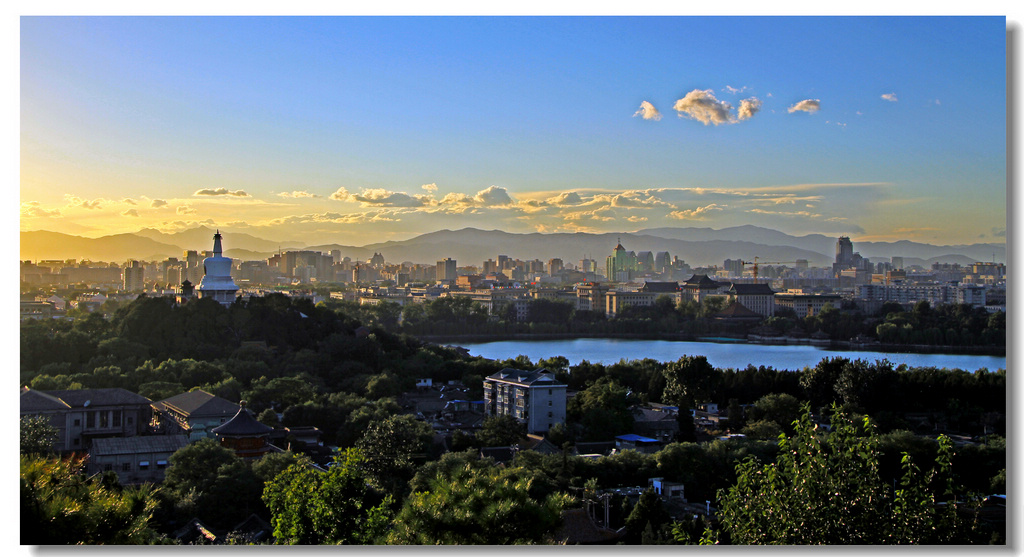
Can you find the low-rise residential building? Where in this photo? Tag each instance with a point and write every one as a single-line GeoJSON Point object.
{"type": "Point", "coordinates": [534, 398]}
{"type": "Point", "coordinates": [135, 460]}
{"type": "Point", "coordinates": [83, 415]}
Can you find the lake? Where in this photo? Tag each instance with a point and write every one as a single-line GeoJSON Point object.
{"type": "Point", "coordinates": [720, 354]}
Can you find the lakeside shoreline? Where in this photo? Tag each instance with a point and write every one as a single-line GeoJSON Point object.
{"type": "Point", "coordinates": [685, 337]}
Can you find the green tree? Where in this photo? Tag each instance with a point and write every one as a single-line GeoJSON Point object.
{"type": "Point", "coordinates": [37, 435]}
{"type": "Point", "coordinates": [603, 409]}
{"type": "Point", "coordinates": [826, 489]}
{"type": "Point", "coordinates": [207, 480]}
{"type": "Point", "coordinates": [737, 419]}
{"type": "Point", "coordinates": [501, 431]}
{"type": "Point", "coordinates": [782, 409]}
{"type": "Point", "coordinates": [389, 448]}
{"type": "Point", "coordinates": [478, 506]}
{"type": "Point", "coordinates": [61, 505]}
{"type": "Point", "coordinates": [337, 507]}
{"type": "Point", "coordinates": [647, 514]}
{"type": "Point", "coordinates": [691, 378]}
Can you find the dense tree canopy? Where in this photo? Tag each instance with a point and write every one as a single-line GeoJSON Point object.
{"type": "Point", "coordinates": [337, 507]}
{"type": "Point", "coordinates": [827, 489]}
{"type": "Point", "coordinates": [60, 505]}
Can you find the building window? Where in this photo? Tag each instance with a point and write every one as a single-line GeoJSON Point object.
{"type": "Point", "coordinates": [76, 441]}
{"type": "Point", "coordinates": [130, 420]}
{"type": "Point", "coordinates": [108, 467]}
{"type": "Point", "coordinates": [104, 416]}
{"type": "Point", "coordinates": [551, 414]}
{"type": "Point", "coordinates": [144, 465]}
{"type": "Point", "coordinates": [126, 467]}
{"type": "Point", "coordinates": [161, 464]}
{"type": "Point", "coordinates": [78, 422]}
{"type": "Point", "coordinates": [90, 419]}
{"type": "Point", "coordinates": [117, 418]}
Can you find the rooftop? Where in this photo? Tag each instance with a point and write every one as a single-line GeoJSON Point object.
{"type": "Point", "coordinates": [196, 403]}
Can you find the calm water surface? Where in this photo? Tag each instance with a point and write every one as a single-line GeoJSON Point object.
{"type": "Point", "coordinates": [720, 354]}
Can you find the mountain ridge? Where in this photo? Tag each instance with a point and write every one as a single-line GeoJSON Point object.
{"type": "Point", "coordinates": [696, 246]}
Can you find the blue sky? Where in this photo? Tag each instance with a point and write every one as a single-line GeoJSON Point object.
{"type": "Point", "coordinates": [359, 129]}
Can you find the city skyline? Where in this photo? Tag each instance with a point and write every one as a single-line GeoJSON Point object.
{"type": "Point", "coordinates": [362, 129]}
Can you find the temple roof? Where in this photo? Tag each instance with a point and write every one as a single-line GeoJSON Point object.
{"type": "Point", "coordinates": [243, 424]}
{"type": "Point", "coordinates": [703, 281]}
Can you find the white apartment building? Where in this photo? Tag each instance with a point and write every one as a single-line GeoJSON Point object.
{"type": "Point", "coordinates": [534, 398]}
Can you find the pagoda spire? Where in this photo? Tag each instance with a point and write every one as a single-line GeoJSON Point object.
{"type": "Point", "coordinates": [216, 244]}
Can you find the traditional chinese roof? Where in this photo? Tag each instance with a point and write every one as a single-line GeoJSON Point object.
{"type": "Point", "coordinates": [741, 289]}
{"type": "Point", "coordinates": [702, 281]}
{"type": "Point", "coordinates": [243, 425]}
{"type": "Point", "coordinates": [737, 310]}
{"type": "Point", "coordinates": [660, 286]}
{"type": "Point", "coordinates": [198, 403]}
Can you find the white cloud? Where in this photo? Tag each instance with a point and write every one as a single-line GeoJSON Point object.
{"type": "Point", "coordinates": [808, 105]}
{"type": "Point", "coordinates": [748, 108]}
{"type": "Point", "coordinates": [636, 198]}
{"type": "Point", "coordinates": [648, 112]}
{"type": "Point", "coordinates": [334, 218]}
{"type": "Point", "coordinates": [432, 188]}
{"type": "Point", "coordinates": [734, 90]}
{"type": "Point", "coordinates": [341, 194]}
{"type": "Point", "coordinates": [298, 194]}
{"type": "Point", "coordinates": [603, 214]}
{"type": "Point", "coordinates": [74, 201]}
{"type": "Point", "coordinates": [891, 97]}
{"type": "Point", "coordinates": [493, 196]}
{"type": "Point", "coordinates": [379, 197]}
{"type": "Point", "coordinates": [565, 198]}
{"type": "Point", "coordinates": [129, 201]}
{"type": "Point", "coordinates": [703, 107]}
{"type": "Point", "coordinates": [157, 203]}
{"type": "Point", "coordinates": [130, 213]}
{"type": "Point", "coordinates": [221, 191]}
{"type": "Point", "coordinates": [185, 210]}
{"type": "Point", "coordinates": [34, 209]}
{"type": "Point", "coordinates": [700, 213]}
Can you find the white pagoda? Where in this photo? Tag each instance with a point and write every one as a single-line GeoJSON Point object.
{"type": "Point", "coordinates": [217, 282]}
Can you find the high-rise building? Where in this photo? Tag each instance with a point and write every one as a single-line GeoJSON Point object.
{"type": "Point", "coordinates": [844, 251]}
{"type": "Point", "coordinates": [133, 277]}
{"type": "Point", "coordinates": [446, 270]}
{"type": "Point", "coordinates": [734, 266]}
{"type": "Point", "coordinates": [621, 264]}
{"type": "Point", "coordinates": [662, 261]}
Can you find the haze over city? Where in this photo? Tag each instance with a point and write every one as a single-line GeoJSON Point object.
{"type": "Point", "coordinates": [363, 129]}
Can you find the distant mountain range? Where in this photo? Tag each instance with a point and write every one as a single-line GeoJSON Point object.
{"type": "Point", "coordinates": [470, 246]}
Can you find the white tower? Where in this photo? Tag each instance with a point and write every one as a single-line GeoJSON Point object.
{"type": "Point", "coordinates": [217, 282]}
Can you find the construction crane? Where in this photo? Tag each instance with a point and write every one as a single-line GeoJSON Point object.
{"type": "Point", "coordinates": [755, 263]}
